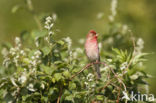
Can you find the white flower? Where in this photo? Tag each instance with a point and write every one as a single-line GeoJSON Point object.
{"type": "Point", "coordinates": [49, 23]}
{"type": "Point", "coordinates": [113, 7]}
{"type": "Point", "coordinates": [100, 46]}
{"type": "Point", "coordinates": [104, 68]}
{"type": "Point", "coordinates": [134, 77]}
{"type": "Point", "coordinates": [13, 82]}
{"type": "Point", "coordinates": [47, 27]}
{"type": "Point", "coordinates": [17, 56]}
{"type": "Point", "coordinates": [124, 29]}
{"type": "Point", "coordinates": [82, 65]}
{"type": "Point", "coordinates": [100, 15]}
{"type": "Point", "coordinates": [23, 78]}
{"type": "Point", "coordinates": [37, 52]}
{"type": "Point", "coordinates": [90, 80]}
{"type": "Point", "coordinates": [31, 87]}
{"type": "Point", "coordinates": [109, 60]}
{"type": "Point", "coordinates": [37, 56]}
{"type": "Point", "coordinates": [79, 50]}
{"type": "Point", "coordinates": [139, 46]}
{"type": "Point", "coordinates": [124, 66]}
{"type": "Point", "coordinates": [46, 38]}
{"type": "Point", "coordinates": [10, 101]}
{"type": "Point", "coordinates": [48, 19]}
{"type": "Point", "coordinates": [39, 61]}
{"type": "Point", "coordinates": [113, 10]}
{"type": "Point", "coordinates": [50, 33]}
{"type": "Point", "coordinates": [12, 51]}
{"type": "Point", "coordinates": [56, 51]}
{"type": "Point", "coordinates": [33, 57]}
{"type": "Point", "coordinates": [4, 52]}
{"type": "Point", "coordinates": [42, 86]}
{"type": "Point", "coordinates": [140, 43]}
{"type": "Point", "coordinates": [6, 62]}
{"type": "Point", "coordinates": [111, 18]}
{"type": "Point", "coordinates": [86, 83]}
{"type": "Point", "coordinates": [65, 59]}
{"type": "Point", "coordinates": [34, 63]}
{"type": "Point", "coordinates": [54, 16]}
{"type": "Point", "coordinates": [93, 85]}
{"type": "Point", "coordinates": [22, 52]}
{"type": "Point", "coordinates": [17, 40]}
{"type": "Point", "coordinates": [110, 40]}
{"type": "Point", "coordinates": [69, 41]}
{"type": "Point", "coordinates": [75, 54]}
{"type": "Point", "coordinates": [90, 76]}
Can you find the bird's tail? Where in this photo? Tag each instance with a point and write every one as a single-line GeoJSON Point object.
{"type": "Point", "coordinates": [97, 68]}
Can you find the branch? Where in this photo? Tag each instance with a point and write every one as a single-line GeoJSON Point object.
{"type": "Point", "coordinates": [60, 94]}
{"type": "Point", "coordinates": [86, 67]}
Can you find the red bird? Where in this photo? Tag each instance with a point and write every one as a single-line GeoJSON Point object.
{"type": "Point", "coordinates": [92, 50]}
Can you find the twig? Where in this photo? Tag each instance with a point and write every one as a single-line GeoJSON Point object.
{"type": "Point", "coordinates": [109, 82]}
{"type": "Point", "coordinates": [87, 66]}
{"type": "Point", "coordinates": [134, 46]}
{"type": "Point", "coordinates": [60, 94]}
{"type": "Point", "coordinates": [17, 95]}
{"type": "Point", "coordinates": [118, 98]}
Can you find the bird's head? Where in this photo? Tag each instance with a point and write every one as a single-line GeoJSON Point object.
{"type": "Point", "coordinates": [92, 34]}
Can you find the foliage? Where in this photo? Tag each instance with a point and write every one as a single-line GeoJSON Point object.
{"type": "Point", "coordinates": [41, 69]}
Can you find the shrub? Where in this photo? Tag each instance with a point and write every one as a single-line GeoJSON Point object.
{"type": "Point", "coordinates": [41, 69]}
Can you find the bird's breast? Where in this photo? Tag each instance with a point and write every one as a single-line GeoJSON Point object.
{"type": "Point", "coordinates": [92, 50]}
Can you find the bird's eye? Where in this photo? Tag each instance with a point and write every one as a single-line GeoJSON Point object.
{"type": "Point", "coordinates": [93, 34]}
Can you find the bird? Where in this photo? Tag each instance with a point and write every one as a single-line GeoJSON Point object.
{"type": "Point", "coordinates": [92, 51]}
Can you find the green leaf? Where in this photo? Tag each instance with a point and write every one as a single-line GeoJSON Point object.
{"type": "Point", "coordinates": [139, 57]}
{"type": "Point", "coordinates": [53, 80]}
{"type": "Point", "coordinates": [46, 50]}
{"type": "Point", "coordinates": [26, 60]}
{"type": "Point", "coordinates": [69, 98]}
{"type": "Point", "coordinates": [117, 51]}
{"type": "Point", "coordinates": [61, 42]}
{"type": "Point", "coordinates": [72, 85]}
{"type": "Point", "coordinates": [47, 69]}
{"type": "Point", "coordinates": [37, 33]}
{"type": "Point", "coordinates": [25, 97]}
{"type": "Point", "coordinates": [99, 97]}
{"type": "Point", "coordinates": [58, 62]}
{"type": "Point", "coordinates": [44, 99]}
{"type": "Point", "coordinates": [66, 74]}
{"type": "Point", "coordinates": [57, 76]}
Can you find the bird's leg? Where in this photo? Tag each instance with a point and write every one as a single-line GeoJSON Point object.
{"type": "Point", "coordinates": [94, 69]}
{"type": "Point", "coordinates": [97, 62]}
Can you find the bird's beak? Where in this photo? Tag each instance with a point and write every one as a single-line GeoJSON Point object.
{"type": "Point", "coordinates": [97, 34]}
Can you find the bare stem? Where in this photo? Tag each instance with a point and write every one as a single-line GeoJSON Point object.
{"type": "Point", "coordinates": [87, 66]}
{"type": "Point", "coordinates": [60, 94]}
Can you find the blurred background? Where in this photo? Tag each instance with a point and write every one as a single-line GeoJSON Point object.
{"type": "Point", "coordinates": [77, 17]}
